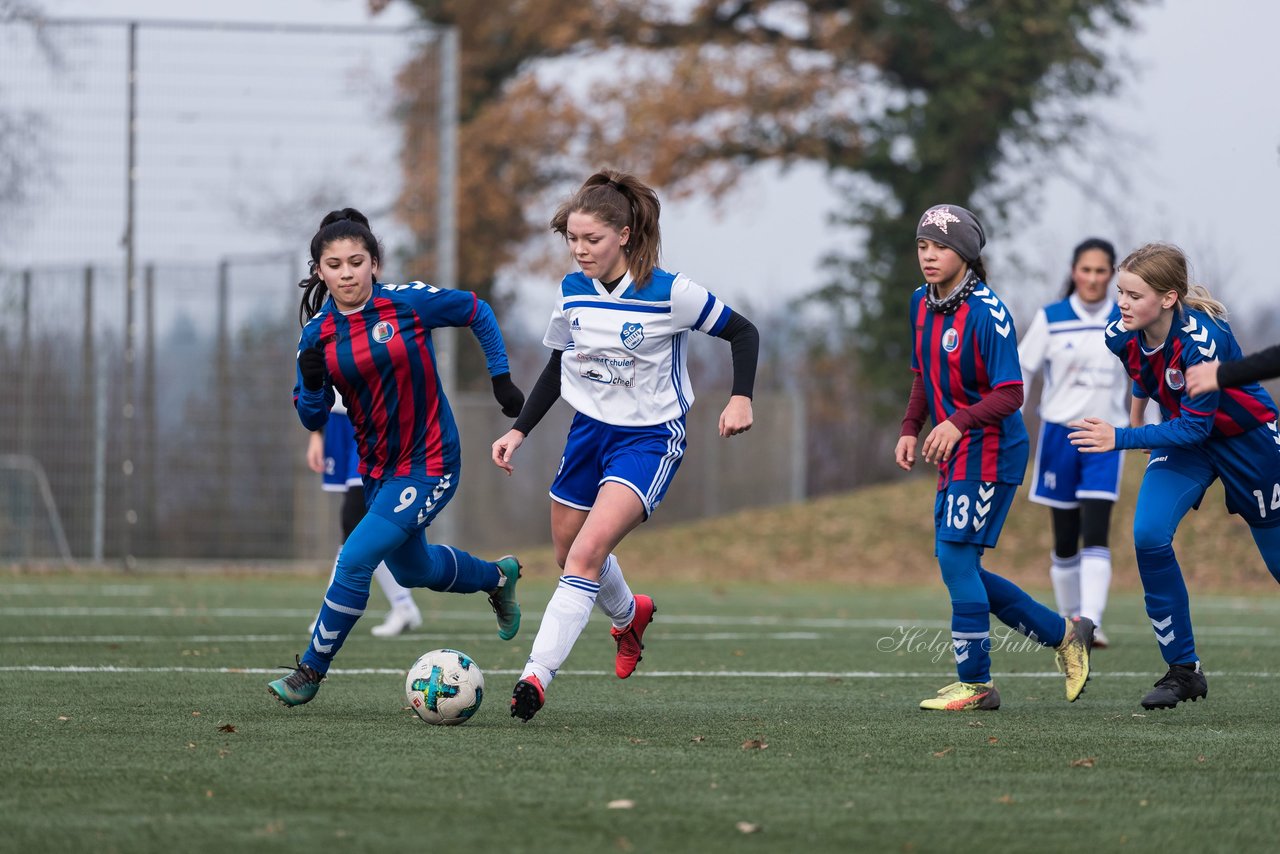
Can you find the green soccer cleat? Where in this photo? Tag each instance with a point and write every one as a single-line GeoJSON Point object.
{"type": "Point", "coordinates": [1072, 656]}
{"type": "Point", "coordinates": [503, 599]}
{"type": "Point", "coordinates": [964, 697]}
{"type": "Point", "coordinates": [298, 687]}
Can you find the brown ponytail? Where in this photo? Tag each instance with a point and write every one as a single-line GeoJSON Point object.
{"type": "Point", "coordinates": [620, 200]}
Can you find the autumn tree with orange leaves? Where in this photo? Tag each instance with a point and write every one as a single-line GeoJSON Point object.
{"type": "Point", "coordinates": [905, 102]}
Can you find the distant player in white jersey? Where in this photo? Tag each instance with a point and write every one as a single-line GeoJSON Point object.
{"type": "Point", "coordinates": [332, 453]}
{"type": "Point", "coordinates": [1066, 342]}
{"type": "Point", "coordinates": [618, 337]}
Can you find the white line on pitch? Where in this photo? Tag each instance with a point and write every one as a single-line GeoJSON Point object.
{"type": "Point", "coordinates": [657, 674]}
{"type": "Point", "coordinates": [411, 636]}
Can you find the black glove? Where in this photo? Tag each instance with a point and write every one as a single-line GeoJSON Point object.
{"type": "Point", "coordinates": [311, 363]}
{"type": "Point", "coordinates": [508, 395]}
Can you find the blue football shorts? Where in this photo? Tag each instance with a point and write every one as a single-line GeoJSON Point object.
{"type": "Point", "coordinates": [1063, 475]}
{"type": "Point", "coordinates": [1248, 464]}
{"type": "Point", "coordinates": [341, 457]}
{"type": "Point", "coordinates": [410, 502]}
{"type": "Point", "coordinates": [644, 459]}
{"type": "Point", "coordinates": [972, 511]}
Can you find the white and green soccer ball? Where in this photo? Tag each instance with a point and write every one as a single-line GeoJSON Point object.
{"type": "Point", "coordinates": [444, 687]}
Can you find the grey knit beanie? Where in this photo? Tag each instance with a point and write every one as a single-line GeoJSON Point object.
{"type": "Point", "coordinates": [953, 226]}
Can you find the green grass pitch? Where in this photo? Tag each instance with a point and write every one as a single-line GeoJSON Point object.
{"type": "Point", "coordinates": [763, 718]}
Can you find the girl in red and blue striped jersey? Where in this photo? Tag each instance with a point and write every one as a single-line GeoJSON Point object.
{"type": "Point", "coordinates": [1166, 327]}
{"type": "Point", "coordinates": [968, 380]}
{"type": "Point", "coordinates": [371, 342]}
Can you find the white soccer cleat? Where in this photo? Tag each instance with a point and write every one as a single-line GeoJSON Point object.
{"type": "Point", "coordinates": [398, 621]}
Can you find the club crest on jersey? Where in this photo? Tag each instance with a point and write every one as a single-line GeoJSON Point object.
{"type": "Point", "coordinates": [383, 332]}
{"type": "Point", "coordinates": [950, 340]}
{"type": "Point", "coordinates": [1174, 379]}
{"type": "Point", "coordinates": [632, 334]}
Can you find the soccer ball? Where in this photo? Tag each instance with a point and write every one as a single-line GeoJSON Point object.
{"type": "Point", "coordinates": [444, 687]}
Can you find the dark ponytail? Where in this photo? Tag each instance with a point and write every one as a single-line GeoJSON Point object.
{"type": "Point", "coordinates": [979, 269]}
{"type": "Point", "coordinates": [1092, 243]}
{"type": "Point", "coordinates": [345, 224]}
{"type": "Point", "coordinates": [620, 200]}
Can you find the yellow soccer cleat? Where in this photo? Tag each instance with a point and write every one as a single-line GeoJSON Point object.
{"type": "Point", "coordinates": [1073, 655]}
{"type": "Point", "coordinates": [964, 697]}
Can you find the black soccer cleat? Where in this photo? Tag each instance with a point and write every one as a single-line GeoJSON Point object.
{"type": "Point", "coordinates": [527, 698]}
{"type": "Point", "coordinates": [1182, 682]}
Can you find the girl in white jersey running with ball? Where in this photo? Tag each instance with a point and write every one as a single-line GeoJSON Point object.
{"type": "Point", "coordinates": [618, 336]}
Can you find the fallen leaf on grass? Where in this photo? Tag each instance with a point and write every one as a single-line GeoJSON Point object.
{"type": "Point", "coordinates": [698, 739]}
{"type": "Point", "coordinates": [1005, 799]}
{"type": "Point", "coordinates": [63, 718]}
{"type": "Point", "coordinates": [208, 793]}
{"type": "Point", "coordinates": [223, 753]}
{"type": "Point", "coordinates": [635, 740]}
{"type": "Point", "coordinates": [976, 724]}
{"type": "Point", "coordinates": [755, 744]}
{"type": "Point", "coordinates": [991, 739]}
{"type": "Point", "coordinates": [943, 752]}
{"type": "Point", "coordinates": [1202, 758]}
{"type": "Point", "coordinates": [621, 804]}
{"type": "Point", "coordinates": [226, 728]}
{"type": "Point", "coordinates": [748, 827]}
{"type": "Point", "coordinates": [1086, 762]}
{"type": "Point", "coordinates": [195, 714]}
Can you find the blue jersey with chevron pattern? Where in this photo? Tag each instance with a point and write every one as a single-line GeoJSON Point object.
{"type": "Point", "coordinates": [1157, 373]}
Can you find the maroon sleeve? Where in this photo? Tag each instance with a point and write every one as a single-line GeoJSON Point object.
{"type": "Point", "coordinates": [917, 409]}
{"type": "Point", "coordinates": [992, 409]}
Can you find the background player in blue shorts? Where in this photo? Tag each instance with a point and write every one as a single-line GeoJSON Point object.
{"type": "Point", "coordinates": [371, 342]}
{"type": "Point", "coordinates": [1167, 326]}
{"type": "Point", "coordinates": [967, 378]}
{"type": "Point", "coordinates": [617, 336]}
{"type": "Point", "coordinates": [1081, 377]}
{"type": "Point", "coordinates": [332, 453]}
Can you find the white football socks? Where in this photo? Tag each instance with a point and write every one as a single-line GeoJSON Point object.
{"type": "Point", "coordinates": [565, 618]}
{"type": "Point", "coordinates": [401, 598]}
{"type": "Point", "coordinates": [1095, 581]}
{"type": "Point", "coordinates": [615, 599]}
{"type": "Point", "coordinates": [1065, 575]}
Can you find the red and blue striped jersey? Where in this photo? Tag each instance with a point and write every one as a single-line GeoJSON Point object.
{"type": "Point", "coordinates": [961, 357]}
{"type": "Point", "coordinates": [382, 361]}
{"type": "Point", "coordinates": [1194, 337]}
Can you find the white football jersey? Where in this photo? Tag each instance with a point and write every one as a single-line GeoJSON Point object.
{"type": "Point", "coordinates": [1081, 376]}
{"type": "Point", "coordinates": [624, 352]}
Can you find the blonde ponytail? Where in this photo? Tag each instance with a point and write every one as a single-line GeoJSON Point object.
{"type": "Point", "coordinates": [1198, 297]}
{"type": "Point", "coordinates": [1163, 267]}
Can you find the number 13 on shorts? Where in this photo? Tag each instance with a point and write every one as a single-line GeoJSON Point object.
{"type": "Point", "coordinates": [971, 511]}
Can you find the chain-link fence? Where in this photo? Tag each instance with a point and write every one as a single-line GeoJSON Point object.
{"type": "Point", "coordinates": [147, 316]}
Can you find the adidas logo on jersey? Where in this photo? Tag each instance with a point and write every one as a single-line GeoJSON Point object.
{"type": "Point", "coordinates": [575, 324]}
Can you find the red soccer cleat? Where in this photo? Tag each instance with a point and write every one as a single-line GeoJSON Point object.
{"type": "Point", "coordinates": [628, 639]}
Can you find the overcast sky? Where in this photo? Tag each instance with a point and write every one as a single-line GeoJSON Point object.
{"type": "Point", "coordinates": [1195, 159]}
